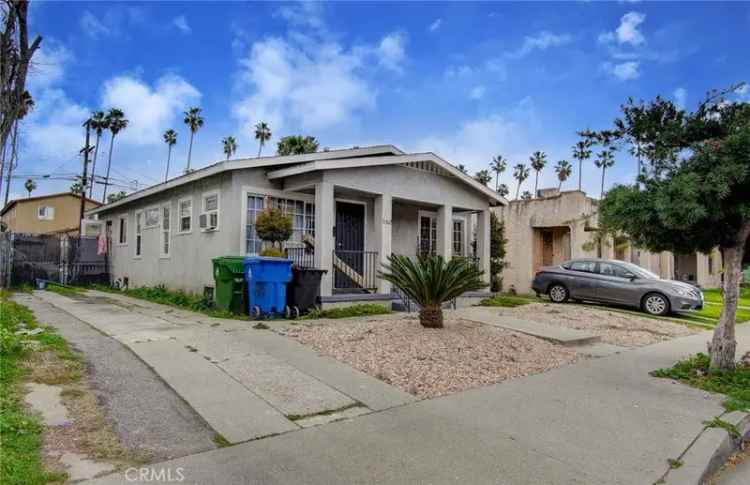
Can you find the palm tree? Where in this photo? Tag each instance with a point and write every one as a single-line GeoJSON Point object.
{"type": "Point", "coordinates": [604, 161]}
{"type": "Point", "coordinates": [538, 161]}
{"type": "Point", "coordinates": [581, 152]}
{"type": "Point", "coordinates": [563, 170]}
{"type": "Point", "coordinates": [230, 146]}
{"type": "Point", "coordinates": [498, 165]}
{"type": "Point", "coordinates": [520, 172]}
{"type": "Point", "coordinates": [116, 122]}
{"type": "Point", "coordinates": [194, 121]}
{"type": "Point", "coordinates": [170, 138]}
{"type": "Point", "coordinates": [30, 186]}
{"type": "Point", "coordinates": [27, 104]}
{"type": "Point", "coordinates": [262, 134]}
{"type": "Point", "coordinates": [296, 145]}
{"type": "Point", "coordinates": [98, 122]}
{"type": "Point", "coordinates": [483, 177]}
{"type": "Point", "coordinates": [430, 281]}
{"type": "Point", "coordinates": [502, 190]}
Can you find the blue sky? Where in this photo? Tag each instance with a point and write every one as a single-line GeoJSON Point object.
{"type": "Point", "coordinates": [465, 80]}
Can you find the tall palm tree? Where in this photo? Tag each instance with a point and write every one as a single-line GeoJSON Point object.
{"type": "Point", "coordinates": [194, 121]}
{"type": "Point", "coordinates": [30, 186]}
{"type": "Point", "coordinates": [581, 152]}
{"type": "Point", "coordinates": [538, 161]}
{"type": "Point", "coordinates": [98, 122]}
{"type": "Point", "coordinates": [230, 146]}
{"type": "Point", "coordinates": [498, 165]}
{"type": "Point", "coordinates": [170, 138]}
{"type": "Point", "coordinates": [27, 104]}
{"type": "Point", "coordinates": [296, 145]}
{"type": "Point", "coordinates": [116, 122]}
{"type": "Point", "coordinates": [604, 161]}
{"type": "Point", "coordinates": [483, 177]}
{"type": "Point", "coordinates": [520, 172]}
{"type": "Point", "coordinates": [262, 134]}
{"type": "Point", "coordinates": [563, 169]}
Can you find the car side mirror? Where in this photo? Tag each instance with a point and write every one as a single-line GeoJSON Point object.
{"type": "Point", "coordinates": [631, 276]}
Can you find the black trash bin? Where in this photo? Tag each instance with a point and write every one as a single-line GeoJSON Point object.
{"type": "Point", "coordinates": [302, 292]}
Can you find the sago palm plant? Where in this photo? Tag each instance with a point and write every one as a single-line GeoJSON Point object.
{"type": "Point", "coordinates": [431, 281]}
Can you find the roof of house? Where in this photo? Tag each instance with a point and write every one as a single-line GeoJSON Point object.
{"type": "Point", "coordinates": [329, 159]}
{"type": "Point", "coordinates": [13, 202]}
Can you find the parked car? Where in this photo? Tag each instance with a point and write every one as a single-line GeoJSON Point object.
{"type": "Point", "coordinates": [616, 282]}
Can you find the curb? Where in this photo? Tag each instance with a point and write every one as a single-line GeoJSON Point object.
{"type": "Point", "coordinates": [709, 451]}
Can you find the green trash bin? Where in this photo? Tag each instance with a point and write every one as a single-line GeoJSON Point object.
{"type": "Point", "coordinates": [230, 283]}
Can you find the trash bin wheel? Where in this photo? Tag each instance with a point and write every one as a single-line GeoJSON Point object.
{"type": "Point", "coordinates": [296, 311]}
{"type": "Point", "coordinates": [255, 312]}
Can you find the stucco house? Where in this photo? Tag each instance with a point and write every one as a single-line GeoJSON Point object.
{"type": "Point", "coordinates": [351, 208]}
{"type": "Point", "coordinates": [557, 226]}
{"type": "Point", "coordinates": [58, 213]}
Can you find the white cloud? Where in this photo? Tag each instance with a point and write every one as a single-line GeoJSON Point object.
{"type": "Point", "coordinates": [48, 65]}
{"type": "Point", "coordinates": [743, 90]}
{"type": "Point", "coordinates": [150, 109]}
{"type": "Point", "coordinates": [305, 14]}
{"type": "Point", "coordinates": [477, 92]}
{"type": "Point", "coordinates": [53, 128]}
{"type": "Point", "coordinates": [541, 41]}
{"type": "Point", "coordinates": [627, 32]}
{"type": "Point", "coordinates": [624, 71]}
{"type": "Point", "coordinates": [680, 97]}
{"type": "Point", "coordinates": [435, 25]}
{"type": "Point", "coordinates": [391, 51]}
{"type": "Point", "coordinates": [182, 24]}
{"type": "Point", "coordinates": [92, 26]}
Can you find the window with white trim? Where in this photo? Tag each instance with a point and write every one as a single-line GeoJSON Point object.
{"type": "Point", "coordinates": [301, 212]}
{"type": "Point", "coordinates": [255, 205]}
{"type": "Point", "coordinates": [458, 238]}
{"type": "Point", "coordinates": [209, 218]}
{"type": "Point", "coordinates": [427, 235]}
{"type": "Point", "coordinates": [122, 230]}
{"type": "Point", "coordinates": [164, 247]}
{"type": "Point", "coordinates": [46, 213]}
{"type": "Point", "coordinates": [185, 208]}
{"type": "Point", "coordinates": [152, 217]}
{"type": "Point", "coordinates": [138, 234]}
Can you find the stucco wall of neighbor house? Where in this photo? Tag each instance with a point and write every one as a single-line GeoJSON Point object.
{"type": "Point", "coordinates": [23, 216]}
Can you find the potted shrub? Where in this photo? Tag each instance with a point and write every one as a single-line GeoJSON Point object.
{"type": "Point", "coordinates": [274, 227]}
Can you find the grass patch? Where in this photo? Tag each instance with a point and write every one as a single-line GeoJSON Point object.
{"type": "Point", "coordinates": [64, 290]}
{"type": "Point", "coordinates": [360, 310]}
{"type": "Point", "coordinates": [714, 295]}
{"type": "Point", "coordinates": [220, 441]}
{"type": "Point", "coordinates": [694, 371]}
{"type": "Point", "coordinates": [717, 422]}
{"type": "Point", "coordinates": [508, 300]}
{"type": "Point", "coordinates": [176, 298]}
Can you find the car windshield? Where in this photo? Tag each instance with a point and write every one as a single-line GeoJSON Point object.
{"type": "Point", "coordinates": [640, 272]}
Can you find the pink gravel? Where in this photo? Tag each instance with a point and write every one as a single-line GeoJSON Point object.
{"type": "Point", "coordinates": [433, 362]}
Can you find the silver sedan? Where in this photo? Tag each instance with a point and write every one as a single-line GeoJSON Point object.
{"type": "Point", "coordinates": [616, 282]}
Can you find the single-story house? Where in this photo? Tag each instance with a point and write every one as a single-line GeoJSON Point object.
{"type": "Point", "coordinates": [351, 209]}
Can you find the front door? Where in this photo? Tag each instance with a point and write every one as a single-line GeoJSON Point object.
{"type": "Point", "coordinates": [548, 250]}
{"type": "Point", "coordinates": [349, 241]}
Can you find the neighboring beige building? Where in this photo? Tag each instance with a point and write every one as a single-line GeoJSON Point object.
{"type": "Point", "coordinates": [45, 214]}
{"type": "Point", "coordinates": [559, 226]}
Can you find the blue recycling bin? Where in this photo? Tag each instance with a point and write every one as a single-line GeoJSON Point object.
{"type": "Point", "coordinates": [266, 284]}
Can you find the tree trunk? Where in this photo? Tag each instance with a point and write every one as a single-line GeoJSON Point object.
{"type": "Point", "coordinates": [601, 194]}
{"type": "Point", "coordinates": [109, 165]}
{"type": "Point", "coordinates": [190, 151]}
{"type": "Point", "coordinates": [11, 162]}
{"type": "Point", "coordinates": [431, 317]}
{"type": "Point", "coordinates": [169, 156]}
{"type": "Point", "coordinates": [723, 344]}
{"type": "Point", "coordinates": [518, 189]}
{"type": "Point", "coordinates": [260, 147]}
{"type": "Point", "coordinates": [559, 186]}
{"type": "Point", "coordinates": [93, 167]}
{"type": "Point", "coordinates": [536, 184]}
{"type": "Point", "coordinates": [2, 167]}
{"type": "Point", "coordinates": [580, 173]}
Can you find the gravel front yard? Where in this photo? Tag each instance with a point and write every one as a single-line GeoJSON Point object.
{"type": "Point", "coordinates": [614, 328]}
{"type": "Point", "coordinates": [432, 362]}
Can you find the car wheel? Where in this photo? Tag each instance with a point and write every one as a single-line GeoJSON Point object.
{"type": "Point", "coordinates": [656, 304]}
{"type": "Point", "coordinates": [558, 293]}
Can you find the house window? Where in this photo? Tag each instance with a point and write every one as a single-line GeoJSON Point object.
{"type": "Point", "coordinates": [209, 219]}
{"type": "Point", "coordinates": [123, 230]}
{"type": "Point", "coordinates": [302, 214]}
{"type": "Point", "coordinates": [427, 235]}
{"type": "Point", "coordinates": [255, 206]}
{"type": "Point", "coordinates": [186, 215]}
{"type": "Point", "coordinates": [165, 229]}
{"type": "Point", "coordinates": [458, 238]}
{"type": "Point", "coordinates": [138, 233]}
{"type": "Point", "coordinates": [152, 217]}
{"type": "Point", "coordinates": [46, 213]}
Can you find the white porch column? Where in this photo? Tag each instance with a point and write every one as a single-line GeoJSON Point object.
{"type": "Point", "coordinates": [445, 231]}
{"type": "Point", "coordinates": [383, 235]}
{"type": "Point", "coordinates": [325, 213]}
{"type": "Point", "coordinates": [483, 243]}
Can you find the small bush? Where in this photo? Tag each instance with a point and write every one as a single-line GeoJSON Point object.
{"type": "Point", "coordinates": [506, 301]}
{"type": "Point", "coordinates": [359, 310]}
{"type": "Point", "coordinates": [272, 225]}
{"type": "Point", "coordinates": [272, 252]}
{"type": "Point", "coordinates": [10, 343]}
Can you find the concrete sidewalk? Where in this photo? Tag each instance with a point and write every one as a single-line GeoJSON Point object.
{"type": "Point", "coordinates": [601, 421]}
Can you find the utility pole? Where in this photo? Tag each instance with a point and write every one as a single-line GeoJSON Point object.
{"type": "Point", "coordinates": [86, 149]}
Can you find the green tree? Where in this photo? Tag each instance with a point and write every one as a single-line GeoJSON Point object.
{"type": "Point", "coordinates": [520, 172]}
{"type": "Point", "coordinates": [99, 123]}
{"type": "Point", "coordinates": [431, 281]}
{"type": "Point", "coordinates": [526, 195]}
{"type": "Point", "coordinates": [229, 145]}
{"type": "Point", "coordinates": [170, 138]}
{"type": "Point", "coordinates": [581, 152]}
{"type": "Point", "coordinates": [274, 226]}
{"type": "Point", "coordinates": [194, 122]}
{"type": "Point", "coordinates": [563, 169]}
{"type": "Point", "coordinates": [483, 177]}
{"type": "Point", "coordinates": [694, 194]}
{"type": "Point", "coordinates": [538, 161]}
{"type": "Point", "coordinates": [497, 252]}
{"type": "Point", "coordinates": [605, 159]}
{"type": "Point", "coordinates": [296, 145]}
{"type": "Point", "coordinates": [77, 188]}
{"type": "Point", "coordinates": [462, 168]}
{"type": "Point", "coordinates": [503, 190]}
{"type": "Point", "coordinates": [30, 186]}
{"type": "Point", "coordinates": [262, 134]}
{"type": "Point", "coordinates": [116, 196]}
{"type": "Point", "coordinates": [498, 165]}
{"type": "Point", "coordinates": [116, 122]}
